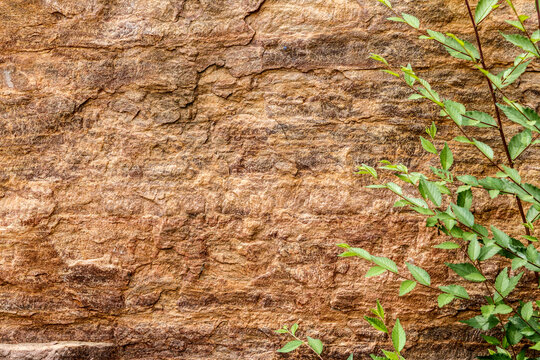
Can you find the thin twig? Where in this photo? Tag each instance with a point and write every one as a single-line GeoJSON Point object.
{"type": "Point", "coordinates": [497, 113]}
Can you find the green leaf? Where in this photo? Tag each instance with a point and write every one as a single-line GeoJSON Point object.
{"type": "Point", "coordinates": [385, 263]}
{"type": "Point", "coordinates": [290, 346]}
{"type": "Point", "coordinates": [500, 237]}
{"type": "Point", "coordinates": [482, 323]}
{"type": "Point", "coordinates": [445, 299]}
{"type": "Point", "coordinates": [376, 323]}
{"type": "Point", "coordinates": [484, 148]}
{"type": "Point", "coordinates": [474, 249]}
{"type": "Point", "coordinates": [455, 110]}
{"type": "Point", "coordinates": [519, 143]}
{"type": "Point", "coordinates": [431, 191]}
{"type": "Point", "coordinates": [390, 355]}
{"type": "Point", "coordinates": [468, 179]}
{"type": "Point", "coordinates": [513, 335]}
{"type": "Point", "coordinates": [366, 169]}
{"type": "Point", "coordinates": [448, 245]}
{"type": "Point", "coordinates": [456, 290]}
{"type": "Point", "coordinates": [281, 331]}
{"type": "Point", "coordinates": [398, 336]}
{"type": "Point", "coordinates": [447, 159]}
{"type": "Point", "coordinates": [512, 173]}
{"type": "Point", "coordinates": [522, 42]}
{"type": "Point", "coordinates": [396, 19]}
{"type": "Point", "coordinates": [411, 20]}
{"type": "Point", "coordinates": [378, 58]}
{"type": "Point", "coordinates": [428, 146]}
{"type": "Point", "coordinates": [386, 2]}
{"type": "Point", "coordinates": [504, 284]}
{"type": "Point", "coordinates": [390, 72]}
{"type": "Point", "coordinates": [512, 74]}
{"type": "Point", "coordinates": [516, 24]}
{"type": "Point", "coordinates": [375, 271]}
{"type": "Point", "coordinates": [527, 311]}
{"type": "Point", "coordinates": [361, 253]}
{"type": "Point", "coordinates": [480, 119]}
{"type": "Point", "coordinates": [350, 357]}
{"type": "Point", "coordinates": [536, 346]}
{"type": "Point", "coordinates": [483, 9]}
{"type": "Point", "coordinates": [463, 215]}
{"type": "Point", "coordinates": [523, 116]}
{"type": "Point", "coordinates": [406, 287]}
{"type": "Point", "coordinates": [491, 340]}
{"type": "Point", "coordinates": [294, 328]}
{"type": "Point", "coordinates": [316, 345]}
{"type": "Point", "coordinates": [380, 310]}
{"type": "Point", "coordinates": [465, 199]}
{"type": "Point", "coordinates": [419, 274]}
{"type": "Point", "coordinates": [467, 271]}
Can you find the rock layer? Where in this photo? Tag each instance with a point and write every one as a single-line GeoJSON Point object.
{"type": "Point", "coordinates": [175, 174]}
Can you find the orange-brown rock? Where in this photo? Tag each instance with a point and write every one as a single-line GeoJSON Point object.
{"type": "Point", "coordinates": [175, 174]}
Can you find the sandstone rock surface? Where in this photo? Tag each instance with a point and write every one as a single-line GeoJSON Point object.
{"type": "Point", "coordinates": [175, 174]}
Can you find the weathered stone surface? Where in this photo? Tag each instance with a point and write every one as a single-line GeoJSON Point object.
{"type": "Point", "coordinates": [58, 351]}
{"type": "Point", "coordinates": [175, 174]}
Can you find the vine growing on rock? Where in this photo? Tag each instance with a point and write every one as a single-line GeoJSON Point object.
{"type": "Point", "coordinates": [509, 320]}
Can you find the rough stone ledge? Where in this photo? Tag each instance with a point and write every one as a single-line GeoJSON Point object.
{"type": "Point", "coordinates": [62, 350]}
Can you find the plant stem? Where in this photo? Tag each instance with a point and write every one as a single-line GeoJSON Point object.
{"type": "Point", "coordinates": [303, 342]}
{"type": "Point", "coordinates": [497, 113]}
{"type": "Point", "coordinates": [537, 2]}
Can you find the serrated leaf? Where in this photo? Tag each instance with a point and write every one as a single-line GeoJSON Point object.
{"type": "Point", "coordinates": [375, 271]}
{"type": "Point", "coordinates": [527, 311]}
{"type": "Point", "coordinates": [386, 3]}
{"type": "Point", "coordinates": [431, 191]}
{"type": "Point", "coordinates": [463, 215]}
{"type": "Point", "coordinates": [396, 19]}
{"type": "Point", "coordinates": [491, 340]}
{"type": "Point", "coordinates": [519, 143]}
{"type": "Point", "coordinates": [478, 119]}
{"type": "Point", "coordinates": [522, 42]}
{"type": "Point", "coordinates": [448, 245]}
{"type": "Point", "coordinates": [465, 199]}
{"type": "Point", "coordinates": [482, 323]}
{"type": "Point", "coordinates": [445, 299]}
{"type": "Point", "coordinates": [447, 159]}
{"type": "Point", "coordinates": [294, 328]}
{"type": "Point", "coordinates": [455, 110]}
{"type": "Point", "coordinates": [467, 271]}
{"type": "Point", "coordinates": [419, 274]}
{"type": "Point", "coordinates": [316, 345]}
{"type": "Point", "coordinates": [411, 20]}
{"type": "Point", "coordinates": [484, 148]}
{"type": "Point", "coordinates": [290, 346]}
{"type": "Point", "coordinates": [398, 336]}
{"type": "Point", "coordinates": [456, 290]}
{"type": "Point", "coordinates": [500, 237]}
{"type": "Point", "coordinates": [474, 249]}
{"type": "Point", "coordinates": [385, 263]}
{"type": "Point", "coordinates": [523, 116]}
{"type": "Point", "coordinates": [512, 74]}
{"type": "Point", "coordinates": [428, 146]}
{"type": "Point", "coordinates": [406, 287]}
{"type": "Point", "coordinates": [380, 310]}
{"type": "Point", "coordinates": [376, 323]}
{"type": "Point", "coordinates": [483, 9]}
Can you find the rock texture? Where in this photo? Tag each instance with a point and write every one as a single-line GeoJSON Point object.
{"type": "Point", "coordinates": [175, 174]}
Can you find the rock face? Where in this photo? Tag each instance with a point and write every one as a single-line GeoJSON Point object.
{"type": "Point", "coordinates": [58, 351]}
{"type": "Point", "coordinates": [175, 175]}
